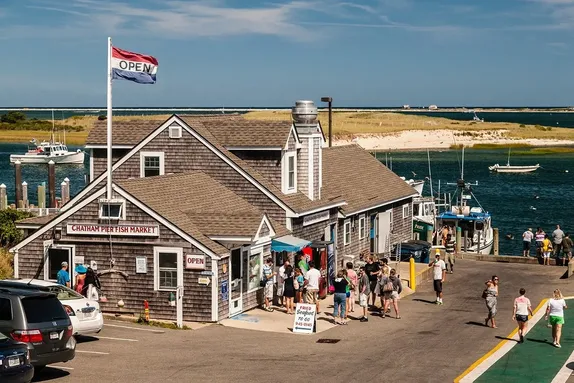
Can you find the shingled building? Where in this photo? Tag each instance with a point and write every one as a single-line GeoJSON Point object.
{"type": "Point", "coordinates": [199, 202]}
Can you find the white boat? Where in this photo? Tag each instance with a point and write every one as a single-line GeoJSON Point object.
{"type": "Point", "coordinates": [46, 151]}
{"type": "Point", "coordinates": [513, 168]}
{"type": "Point", "coordinates": [415, 184]}
{"type": "Point", "coordinates": [477, 119]}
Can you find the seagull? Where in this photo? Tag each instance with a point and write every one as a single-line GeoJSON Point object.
{"type": "Point", "coordinates": [532, 208]}
{"type": "Point", "coordinates": [414, 174]}
{"type": "Point", "coordinates": [536, 196]}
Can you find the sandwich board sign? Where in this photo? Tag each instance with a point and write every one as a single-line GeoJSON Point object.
{"type": "Point", "coordinates": [304, 321]}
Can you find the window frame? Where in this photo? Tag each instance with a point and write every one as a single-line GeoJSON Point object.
{"type": "Point", "coordinates": [251, 254]}
{"type": "Point", "coordinates": [347, 225]}
{"type": "Point", "coordinates": [287, 188]}
{"type": "Point", "coordinates": [103, 202]}
{"type": "Point", "coordinates": [174, 128]}
{"type": "Point", "coordinates": [406, 208]}
{"type": "Point", "coordinates": [362, 227]}
{"type": "Point", "coordinates": [144, 155]}
{"type": "Point", "coordinates": [178, 269]}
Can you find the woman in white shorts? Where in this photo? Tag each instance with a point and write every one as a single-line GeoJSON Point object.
{"type": "Point", "coordinates": [391, 289]}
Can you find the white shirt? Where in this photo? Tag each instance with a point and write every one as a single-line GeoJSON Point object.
{"type": "Point", "coordinates": [313, 276]}
{"type": "Point", "coordinates": [522, 304]}
{"type": "Point", "coordinates": [282, 275]}
{"type": "Point", "coordinates": [438, 267]}
{"type": "Point", "coordinates": [527, 236]}
{"type": "Point", "coordinates": [556, 307]}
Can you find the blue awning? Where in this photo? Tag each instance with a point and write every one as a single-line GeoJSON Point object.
{"type": "Point", "coordinates": [288, 243]}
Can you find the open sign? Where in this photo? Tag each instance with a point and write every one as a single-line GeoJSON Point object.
{"type": "Point", "coordinates": [195, 262]}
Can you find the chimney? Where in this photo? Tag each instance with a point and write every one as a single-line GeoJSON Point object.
{"type": "Point", "coordinates": [309, 158]}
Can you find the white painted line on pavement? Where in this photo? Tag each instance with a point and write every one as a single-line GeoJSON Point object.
{"type": "Point", "coordinates": [93, 352]}
{"type": "Point", "coordinates": [110, 338]}
{"type": "Point", "coordinates": [565, 372]}
{"type": "Point", "coordinates": [61, 367]}
{"type": "Point", "coordinates": [135, 328]}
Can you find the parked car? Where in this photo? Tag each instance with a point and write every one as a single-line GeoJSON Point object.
{"type": "Point", "coordinates": [85, 314]}
{"type": "Point", "coordinates": [15, 366]}
{"type": "Point", "coordinates": [37, 319]}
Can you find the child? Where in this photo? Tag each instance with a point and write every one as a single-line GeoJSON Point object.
{"type": "Point", "coordinates": [546, 249]}
{"type": "Point", "coordinates": [300, 281]}
{"type": "Point", "coordinates": [364, 291]}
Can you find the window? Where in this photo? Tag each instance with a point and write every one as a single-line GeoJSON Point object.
{"type": "Point", "coordinates": [405, 211]}
{"type": "Point", "coordinates": [37, 309]}
{"type": "Point", "coordinates": [5, 309]}
{"type": "Point", "coordinates": [290, 172]}
{"type": "Point", "coordinates": [151, 164]}
{"type": "Point", "coordinates": [112, 209]}
{"type": "Point", "coordinates": [175, 131]}
{"type": "Point", "coordinates": [255, 269]}
{"type": "Point", "coordinates": [347, 232]}
{"type": "Point", "coordinates": [167, 263]}
{"type": "Point", "coordinates": [362, 228]}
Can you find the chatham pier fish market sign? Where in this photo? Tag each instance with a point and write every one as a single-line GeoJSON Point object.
{"type": "Point", "coordinates": [127, 230]}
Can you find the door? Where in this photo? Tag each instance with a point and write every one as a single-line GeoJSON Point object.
{"type": "Point", "coordinates": [330, 233]}
{"type": "Point", "coordinates": [384, 231]}
{"type": "Point", "coordinates": [235, 274]}
{"type": "Point", "coordinates": [54, 258]}
{"type": "Point", "coordinates": [373, 234]}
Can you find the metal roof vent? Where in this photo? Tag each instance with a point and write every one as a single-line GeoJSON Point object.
{"type": "Point", "coordinates": [305, 113]}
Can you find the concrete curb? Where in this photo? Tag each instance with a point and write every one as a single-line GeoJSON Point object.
{"type": "Point", "coordinates": [503, 258]}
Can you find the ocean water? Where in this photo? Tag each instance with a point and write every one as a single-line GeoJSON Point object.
{"type": "Point", "coordinates": [516, 201]}
{"type": "Point", "coordinates": [510, 198]}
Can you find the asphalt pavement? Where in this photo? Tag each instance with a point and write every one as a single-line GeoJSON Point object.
{"type": "Point", "coordinates": [429, 344]}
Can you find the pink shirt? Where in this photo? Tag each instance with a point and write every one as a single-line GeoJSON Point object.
{"type": "Point", "coordinates": [353, 277]}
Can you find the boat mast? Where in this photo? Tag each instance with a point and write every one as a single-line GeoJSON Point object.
{"type": "Point", "coordinates": [430, 173]}
{"type": "Point", "coordinates": [52, 134]}
{"type": "Point", "coordinates": [508, 162]}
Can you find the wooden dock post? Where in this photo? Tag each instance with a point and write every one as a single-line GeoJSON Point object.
{"type": "Point", "coordinates": [18, 181]}
{"type": "Point", "coordinates": [42, 196]}
{"type": "Point", "coordinates": [465, 240]}
{"type": "Point", "coordinates": [458, 235]}
{"type": "Point", "coordinates": [52, 183]}
{"type": "Point", "coordinates": [3, 197]}
{"type": "Point", "coordinates": [495, 239]}
{"type": "Point", "coordinates": [24, 195]}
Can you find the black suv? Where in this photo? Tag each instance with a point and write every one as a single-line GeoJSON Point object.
{"type": "Point", "coordinates": [37, 319]}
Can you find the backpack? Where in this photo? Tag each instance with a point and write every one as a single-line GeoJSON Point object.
{"type": "Point", "coordinates": [388, 286]}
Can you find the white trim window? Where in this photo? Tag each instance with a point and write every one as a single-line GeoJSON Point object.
{"type": "Point", "coordinates": [112, 209]}
{"type": "Point", "coordinates": [290, 172]}
{"type": "Point", "coordinates": [152, 164]}
{"type": "Point", "coordinates": [255, 269]}
{"type": "Point", "coordinates": [362, 227]}
{"type": "Point", "coordinates": [406, 211]}
{"type": "Point", "coordinates": [174, 131]}
{"type": "Point", "coordinates": [347, 232]}
{"type": "Point", "coordinates": [167, 262]}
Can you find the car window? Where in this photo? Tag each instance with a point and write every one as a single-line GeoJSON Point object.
{"type": "Point", "coordinates": [64, 293]}
{"type": "Point", "coordinates": [43, 309]}
{"type": "Point", "coordinates": [5, 309]}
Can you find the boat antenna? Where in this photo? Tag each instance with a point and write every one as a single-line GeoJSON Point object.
{"type": "Point", "coordinates": [430, 173]}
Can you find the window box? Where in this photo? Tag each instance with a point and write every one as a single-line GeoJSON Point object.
{"type": "Point", "coordinates": [151, 164]}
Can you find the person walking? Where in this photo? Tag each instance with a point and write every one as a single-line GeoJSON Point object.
{"type": "Point", "coordinates": [546, 250]}
{"type": "Point", "coordinates": [557, 237]}
{"type": "Point", "coordinates": [372, 270]}
{"type": "Point", "coordinates": [540, 235]}
{"type": "Point", "coordinates": [392, 288]}
{"type": "Point", "coordinates": [312, 286]}
{"type": "Point", "coordinates": [527, 237]}
{"type": "Point", "coordinates": [555, 316]}
{"type": "Point", "coordinates": [439, 274]}
{"type": "Point", "coordinates": [91, 285]}
{"type": "Point", "coordinates": [268, 275]}
{"type": "Point", "coordinates": [522, 309]}
{"type": "Point", "coordinates": [385, 272]}
{"type": "Point", "coordinates": [354, 279]}
{"type": "Point", "coordinates": [80, 278]}
{"type": "Point", "coordinates": [281, 282]}
{"type": "Point", "coordinates": [300, 285]}
{"type": "Point", "coordinates": [567, 247]}
{"type": "Point", "coordinates": [364, 291]}
{"type": "Point", "coordinates": [340, 297]}
{"type": "Point", "coordinates": [450, 250]}
{"type": "Point", "coordinates": [289, 289]}
{"type": "Point", "coordinates": [490, 296]}
{"type": "Point", "coordinates": [63, 277]}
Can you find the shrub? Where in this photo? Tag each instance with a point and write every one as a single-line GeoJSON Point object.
{"type": "Point", "coordinates": [522, 126]}
{"type": "Point", "coordinates": [6, 264]}
{"type": "Point", "coordinates": [101, 117]}
{"type": "Point", "coordinates": [9, 234]}
{"type": "Point", "coordinates": [13, 117]}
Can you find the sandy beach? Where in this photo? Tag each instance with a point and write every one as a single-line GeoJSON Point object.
{"type": "Point", "coordinates": [439, 139]}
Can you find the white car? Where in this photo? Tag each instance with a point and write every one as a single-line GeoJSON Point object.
{"type": "Point", "coordinates": [84, 313]}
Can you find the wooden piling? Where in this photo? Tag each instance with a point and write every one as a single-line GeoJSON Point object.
{"type": "Point", "coordinates": [495, 238]}
{"type": "Point", "coordinates": [18, 181]}
{"type": "Point", "coordinates": [458, 232]}
{"type": "Point", "coordinates": [3, 197]}
{"type": "Point", "coordinates": [41, 196]}
{"type": "Point", "coordinates": [465, 240]}
{"type": "Point", "coordinates": [25, 203]}
{"type": "Point", "coordinates": [52, 183]}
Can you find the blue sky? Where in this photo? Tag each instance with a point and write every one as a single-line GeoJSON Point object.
{"type": "Point", "coordinates": [271, 53]}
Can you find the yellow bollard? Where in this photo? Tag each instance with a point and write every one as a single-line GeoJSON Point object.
{"type": "Point", "coordinates": [413, 279]}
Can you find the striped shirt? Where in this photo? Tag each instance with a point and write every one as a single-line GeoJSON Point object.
{"type": "Point", "coordinates": [540, 237]}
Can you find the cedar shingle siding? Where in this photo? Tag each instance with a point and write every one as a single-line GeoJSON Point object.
{"type": "Point", "coordinates": [268, 163]}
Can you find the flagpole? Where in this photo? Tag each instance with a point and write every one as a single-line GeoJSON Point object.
{"type": "Point", "coordinates": [109, 120]}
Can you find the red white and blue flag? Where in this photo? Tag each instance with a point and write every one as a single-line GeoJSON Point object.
{"type": "Point", "coordinates": [133, 66]}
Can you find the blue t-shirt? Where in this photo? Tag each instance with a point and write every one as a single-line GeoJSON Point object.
{"type": "Point", "coordinates": [63, 277]}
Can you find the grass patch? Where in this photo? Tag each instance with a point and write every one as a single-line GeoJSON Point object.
{"type": "Point", "coordinates": [456, 146]}
{"type": "Point", "coordinates": [500, 146]}
{"type": "Point", "coordinates": [24, 136]}
{"type": "Point", "coordinates": [544, 151]}
{"type": "Point", "coordinates": [168, 325]}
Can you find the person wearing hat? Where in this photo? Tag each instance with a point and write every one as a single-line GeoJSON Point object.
{"type": "Point", "coordinates": [80, 278]}
{"type": "Point", "coordinates": [439, 274]}
{"type": "Point", "coordinates": [63, 277]}
{"type": "Point", "coordinates": [527, 238]}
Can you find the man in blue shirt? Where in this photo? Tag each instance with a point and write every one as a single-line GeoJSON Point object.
{"type": "Point", "coordinates": [63, 277]}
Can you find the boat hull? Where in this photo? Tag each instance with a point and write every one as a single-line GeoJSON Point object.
{"type": "Point", "coordinates": [514, 169]}
{"type": "Point", "coordinates": [69, 158]}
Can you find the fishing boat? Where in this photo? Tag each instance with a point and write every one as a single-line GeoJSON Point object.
{"type": "Point", "coordinates": [46, 151]}
{"type": "Point", "coordinates": [475, 223]}
{"type": "Point", "coordinates": [513, 168]}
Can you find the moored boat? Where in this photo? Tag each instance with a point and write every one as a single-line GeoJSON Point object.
{"type": "Point", "coordinates": [513, 168]}
{"type": "Point", "coordinates": [46, 151]}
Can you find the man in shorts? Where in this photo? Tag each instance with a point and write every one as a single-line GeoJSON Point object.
{"type": "Point", "coordinates": [567, 247]}
{"type": "Point", "coordinates": [439, 273]}
{"type": "Point", "coordinates": [268, 275]}
{"type": "Point", "coordinates": [450, 249]}
{"type": "Point", "coordinates": [364, 291]}
{"type": "Point", "coordinates": [312, 285]}
{"type": "Point", "coordinates": [527, 238]}
{"type": "Point", "coordinates": [522, 308]}
{"type": "Point", "coordinates": [372, 270]}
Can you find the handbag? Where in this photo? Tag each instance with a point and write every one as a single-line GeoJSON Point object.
{"type": "Point", "coordinates": [295, 284]}
{"type": "Point", "coordinates": [484, 293]}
